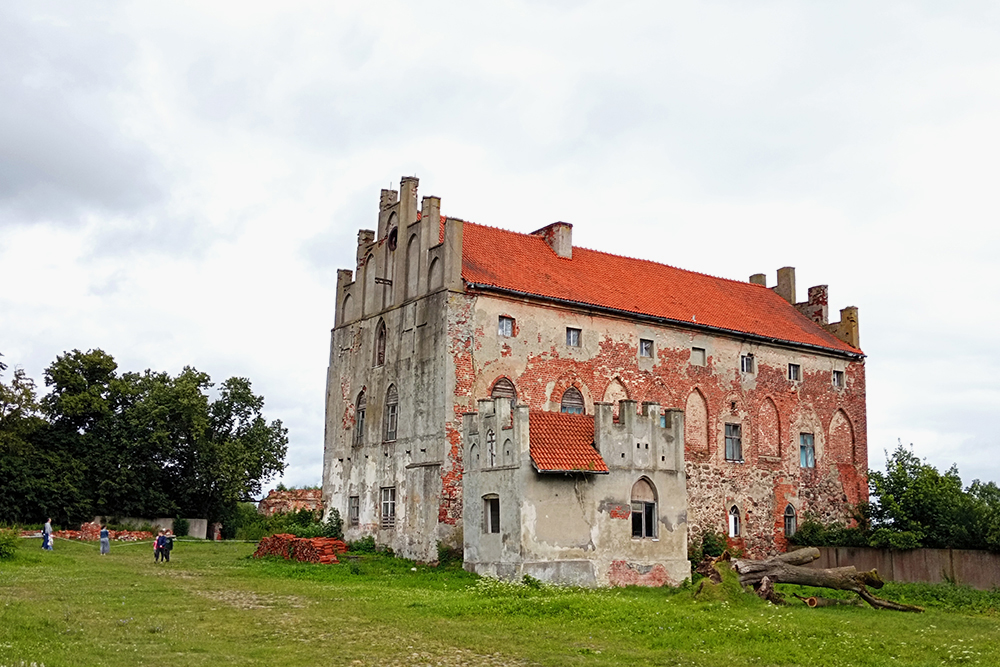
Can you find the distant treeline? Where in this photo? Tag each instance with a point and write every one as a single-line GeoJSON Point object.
{"type": "Point", "coordinates": [133, 444]}
{"type": "Point", "coordinates": [913, 505]}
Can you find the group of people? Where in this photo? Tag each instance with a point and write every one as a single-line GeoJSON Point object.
{"type": "Point", "coordinates": [162, 545]}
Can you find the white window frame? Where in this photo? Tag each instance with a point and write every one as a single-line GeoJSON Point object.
{"type": "Point", "coordinates": [388, 507]}
{"type": "Point", "coordinates": [838, 379]}
{"type": "Point", "coordinates": [795, 372]}
{"type": "Point", "coordinates": [646, 348]}
{"type": "Point", "coordinates": [747, 364]}
{"type": "Point", "coordinates": [505, 326]}
{"type": "Point", "coordinates": [574, 337]}
{"type": "Point", "coordinates": [734, 442]}
{"type": "Point", "coordinates": [734, 521]}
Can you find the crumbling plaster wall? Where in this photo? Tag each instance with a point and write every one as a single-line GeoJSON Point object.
{"type": "Point", "coordinates": [541, 366]}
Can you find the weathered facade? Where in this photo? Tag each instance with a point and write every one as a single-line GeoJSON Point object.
{"type": "Point", "coordinates": [441, 314]}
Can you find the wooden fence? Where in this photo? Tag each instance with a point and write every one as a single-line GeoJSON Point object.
{"type": "Point", "coordinates": [979, 569]}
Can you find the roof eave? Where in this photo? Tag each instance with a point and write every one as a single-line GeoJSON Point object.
{"type": "Point", "coordinates": [780, 342]}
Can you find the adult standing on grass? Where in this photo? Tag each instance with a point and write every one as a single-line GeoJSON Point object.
{"type": "Point", "coordinates": [105, 540]}
{"type": "Point", "coordinates": [47, 535]}
{"type": "Point", "coordinates": [168, 545]}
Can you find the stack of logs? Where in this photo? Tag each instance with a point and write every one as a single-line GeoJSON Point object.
{"type": "Point", "coordinates": [788, 568]}
{"type": "Point", "coordinates": [305, 549]}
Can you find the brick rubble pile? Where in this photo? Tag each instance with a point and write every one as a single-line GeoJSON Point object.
{"type": "Point", "coordinates": [304, 549]}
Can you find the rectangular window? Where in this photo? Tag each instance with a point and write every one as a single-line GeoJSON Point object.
{"type": "Point", "coordinates": [506, 327]}
{"type": "Point", "coordinates": [838, 379]}
{"type": "Point", "coordinates": [807, 451]}
{"type": "Point", "coordinates": [389, 507]}
{"type": "Point", "coordinates": [572, 337]}
{"type": "Point", "coordinates": [663, 421]}
{"type": "Point", "coordinates": [734, 442]}
{"type": "Point", "coordinates": [794, 372]}
{"type": "Point", "coordinates": [645, 348]}
{"type": "Point", "coordinates": [698, 357]}
{"type": "Point", "coordinates": [746, 363]}
{"type": "Point", "coordinates": [390, 422]}
{"type": "Point", "coordinates": [491, 515]}
{"type": "Point", "coordinates": [643, 519]}
{"type": "Point", "coordinates": [354, 510]}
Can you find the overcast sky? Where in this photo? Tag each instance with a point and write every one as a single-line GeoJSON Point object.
{"type": "Point", "coordinates": [179, 182]}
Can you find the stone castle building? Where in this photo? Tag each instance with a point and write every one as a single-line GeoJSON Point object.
{"type": "Point", "coordinates": [576, 415]}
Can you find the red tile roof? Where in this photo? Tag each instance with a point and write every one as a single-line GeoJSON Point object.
{"type": "Point", "coordinates": [563, 443]}
{"type": "Point", "coordinates": [525, 263]}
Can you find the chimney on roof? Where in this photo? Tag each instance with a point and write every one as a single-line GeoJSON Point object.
{"type": "Point", "coordinates": [559, 236]}
{"type": "Point", "coordinates": [759, 279]}
{"type": "Point", "coordinates": [786, 284]}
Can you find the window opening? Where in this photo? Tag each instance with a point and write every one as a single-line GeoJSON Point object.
{"type": "Point", "coordinates": [698, 356]}
{"type": "Point", "coordinates": [734, 521]}
{"type": "Point", "coordinates": [359, 419]}
{"type": "Point", "coordinates": [504, 388]}
{"type": "Point", "coordinates": [491, 514]}
{"type": "Point", "coordinates": [572, 402]}
{"type": "Point", "coordinates": [663, 421]}
{"type": "Point", "coordinates": [506, 326]}
{"type": "Point", "coordinates": [838, 379]}
{"type": "Point", "coordinates": [572, 337]}
{"type": "Point", "coordinates": [794, 372]}
{"type": "Point", "coordinates": [734, 442]}
{"type": "Point", "coordinates": [354, 510]}
{"type": "Point", "coordinates": [391, 413]}
{"type": "Point", "coordinates": [807, 450]}
{"type": "Point", "coordinates": [491, 449]}
{"type": "Point", "coordinates": [380, 343]}
{"type": "Point", "coordinates": [790, 523]}
{"type": "Point", "coordinates": [389, 507]}
{"type": "Point", "coordinates": [643, 510]}
{"type": "Point", "coordinates": [645, 348]}
{"type": "Point", "coordinates": [746, 363]}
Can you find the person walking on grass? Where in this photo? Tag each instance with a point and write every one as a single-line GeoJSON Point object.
{"type": "Point", "coordinates": [158, 547]}
{"type": "Point", "coordinates": [105, 540]}
{"type": "Point", "coordinates": [47, 535]}
{"type": "Point", "coordinates": [168, 545]}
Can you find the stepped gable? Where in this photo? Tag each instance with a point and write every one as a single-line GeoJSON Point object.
{"type": "Point", "coordinates": [525, 263]}
{"type": "Point", "coordinates": [563, 443]}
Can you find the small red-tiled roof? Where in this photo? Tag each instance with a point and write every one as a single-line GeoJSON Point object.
{"type": "Point", "coordinates": [525, 263]}
{"type": "Point", "coordinates": [563, 443]}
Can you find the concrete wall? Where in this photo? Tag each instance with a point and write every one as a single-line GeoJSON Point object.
{"type": "Point", "coordinates": [575, 528]}
{"type": "Point", "coordinates": [771, 409]}
{"type": "Point", "coordinates": [979, 569]}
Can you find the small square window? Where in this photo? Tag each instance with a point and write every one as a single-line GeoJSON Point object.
{"type": "Point", "coordinates": [807, 451]}
{"type": "Point", "coordinates": [794, 372]}
{"type": "Point", "coordinates": [838, 379]}
{"type": "Point", "coordinates": [389, 507]}
{"type": "Point", "coordinates": [572, 337]}
{"type": "Point", "coordinates": [354, 510]}
{"type": "Point", "coordinates": [746, 363]}
{"type": "Point", "coordinates": [645, 348]}
{"type": "Point", "coordinates": [506, 326]}
{"type": "Point", "coordinates": [698, 357]}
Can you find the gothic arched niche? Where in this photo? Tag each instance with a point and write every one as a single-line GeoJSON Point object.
{"type": "Point", "coordinates": [696, 423]}
{"type": "Point", "coordinates": [615, 392]}
{"type": "Point", "coordinates": [841, 443]}
{"type": "Point", "coordinates": [768, 429]}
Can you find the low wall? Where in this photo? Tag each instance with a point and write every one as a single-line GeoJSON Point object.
{"type": "Point", "coordinates": [979, 569]}
{"type": "Point", "coordinates": [196, 527]}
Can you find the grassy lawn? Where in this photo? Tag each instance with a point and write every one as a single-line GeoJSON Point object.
{"type": "Point", "coordinates": [212, 605]}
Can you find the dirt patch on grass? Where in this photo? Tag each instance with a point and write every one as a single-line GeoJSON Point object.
{"type": "Point", "coordinates": [251, 600]}
{"type": "Point", "coordinates": [449, 658]}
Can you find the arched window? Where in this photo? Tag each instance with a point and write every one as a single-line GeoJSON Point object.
{"type": "Point", "coordinates": [359, 418]}
{"type": "Point", "coordinates": [380, 343]}
{"type": "Point", "coordinates": [734, 521]}
{"type": "Point", "coordinates": [643, 509]}
{"type": "Point", "coordinates": [572, 402]}
{"type": "Point", "coordinates": [790, 521]}
{"type": "Point", "coordinates": [391, 413]}
{"type": "Point", "coordinates": [504, 388]}
{"type": "Point", "coordinates": [491, 449]}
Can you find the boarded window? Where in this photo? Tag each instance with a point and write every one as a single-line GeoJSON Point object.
{"type": "Point", "coordinates": [391, 413]}
{"type": "Point", "coordinates": [572, 402]}
{"type": "Point", "coordinates": [389, 507]}
{"type": "Point", "coordinates": [643, 510]}
{"type": "Point", "coordinates": [504, 388]}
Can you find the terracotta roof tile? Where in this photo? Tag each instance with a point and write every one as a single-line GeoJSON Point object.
{"type": "Point", "coordinates": [525, 263]}
{"type": "Point", "coordinates": [563, 443]}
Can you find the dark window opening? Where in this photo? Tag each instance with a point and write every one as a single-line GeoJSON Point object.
{"type": "Point", "coordinates": [359, 419]}
{"type": "Point", "coordinates": [354, 510]}
{"type": "Point", "coordinates": [572, 337]}
{"type": "Point", "coordinates": [790, 522]}
{"type": "Point", "coordinates": [643, 510]}
{"type": "Point", "coordinates": [746, 363]}
{"type": "Point", "coordinates": [380, 336]}
{"type": "Point", "coordinates": [572, 402]}
{"type": "Point", "coordinates": [794, 372]}
{"type": "Point", "coordinates": [491, 514]}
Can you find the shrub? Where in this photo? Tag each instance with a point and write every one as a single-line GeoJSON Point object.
{"type": "Point", "coordinates": [363, 545]}
{"type": "Point", "coordinates": [9, 541]}
{"type": "Point", "coordinates": [181, 527]}
{"type": "Point", "coordinates": [448, 554]}
{"type": "Point", "coordinates": [334, 526]}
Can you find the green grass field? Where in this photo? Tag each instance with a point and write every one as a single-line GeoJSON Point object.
{"type": "Point", "coordinates": [214, 606]}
